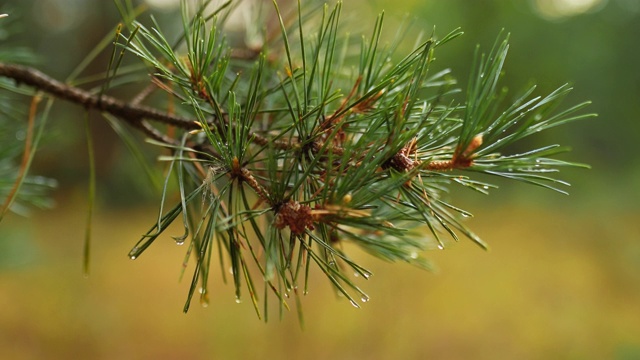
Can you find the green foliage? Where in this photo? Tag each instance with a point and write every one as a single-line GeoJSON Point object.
{"type": "Point", "coordinates": [320, 138]}
{"type": "Point", "coordinates": [18, 190]}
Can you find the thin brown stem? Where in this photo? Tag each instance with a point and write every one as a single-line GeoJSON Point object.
{"type": "Point", "coordinates": [131, 113]}
{"type": "Point", "coordinates": [136, 114]}
{"type": "Point", "coordinates": [25, 156]}
{"type": "Point", "coordinates": [245, 175]}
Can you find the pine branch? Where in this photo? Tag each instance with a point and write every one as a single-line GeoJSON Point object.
{"type": "Point", "coordinates": [133, 114]}
{"type": "Point", "coordinates": [278, 165]}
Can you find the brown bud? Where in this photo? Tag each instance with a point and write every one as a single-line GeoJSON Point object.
{"type": "Point", "coordinates": [294, 215]}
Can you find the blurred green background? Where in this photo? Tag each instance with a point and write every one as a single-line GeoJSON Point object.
{"type": "Point", "coordinates": [562, 280]}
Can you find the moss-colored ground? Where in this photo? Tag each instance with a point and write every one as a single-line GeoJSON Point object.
{"type": "Point", "coordinates": [554, 286]}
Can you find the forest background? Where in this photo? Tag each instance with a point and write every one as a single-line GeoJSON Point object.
{"type": "Point", "coordinates": [562, 279]}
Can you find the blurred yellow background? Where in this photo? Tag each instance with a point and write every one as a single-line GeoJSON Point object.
{"type": "Point", "coordinates": [554, 286]}
{"type": "Point", "coordinates": [562, 280]}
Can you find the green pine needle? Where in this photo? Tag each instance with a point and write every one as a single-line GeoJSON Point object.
{"type": "Point", "coordinates": [315, 139]}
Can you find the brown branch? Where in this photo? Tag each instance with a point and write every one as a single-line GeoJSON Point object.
{"type": "Point", "coordinates": [136, 114]}
{"type": "Point", "coordinates": [131, 113]}
{"type": "Point", "coordinates": [460, 159]}
{"type": "Point", "coordinates": [242, 173]}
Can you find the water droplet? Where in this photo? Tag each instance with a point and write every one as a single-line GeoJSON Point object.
{"type": "Point", "coordinates": [133, 257]}
{"type": "Point", "coordinates": [366, 275]}
{"type": "Point", "coordinates": [465, 215]}
{"type": "Point", "coordinates": [486, 187]}
{"type": "Point", "coordinates": [238, 300]}
{"type": "Point", "coordinates": [21, 135]}
{"type": "Point", "coordinates": [286, 295]}
{"type": "Point", "coordinates": [413, 255]}
{"type": "Point", "coordinates": [440, 246]}
{"type": "Point", "coordinates": [204, 300]}
{"type": "Point", "coordinates": [179, 242]}
{"type": "Point", "coordinates": [364, 298]}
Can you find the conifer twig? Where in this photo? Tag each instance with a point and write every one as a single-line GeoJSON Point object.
{"type": "Point", "coordinates": [278, 165]}
{"type": "Point", "coordinates": [130, 113]}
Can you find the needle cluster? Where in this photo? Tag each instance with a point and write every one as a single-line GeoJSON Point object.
{"type": "Point", "coordinates": [283, 153]}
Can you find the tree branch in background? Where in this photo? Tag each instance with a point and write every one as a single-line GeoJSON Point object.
{"type": "Point", "coordinates": [133, 114]}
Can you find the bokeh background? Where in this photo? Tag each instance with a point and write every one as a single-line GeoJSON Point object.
{"type": "Point", "coordinates": [562, 280]}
